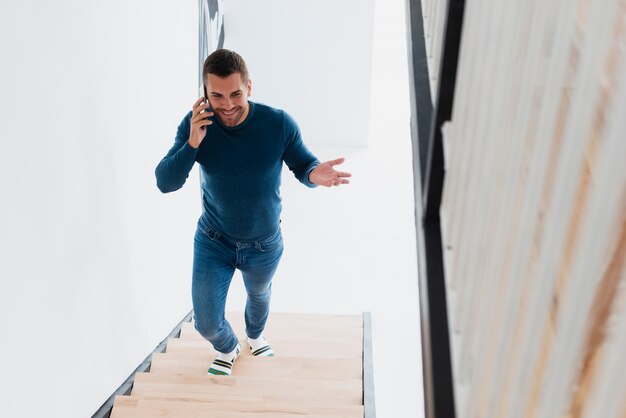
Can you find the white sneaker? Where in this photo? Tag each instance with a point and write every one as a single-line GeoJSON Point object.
{"type": "Point", "coordinates": [223, 363]}
{"type": "Point", "coordinates": [260, 347]}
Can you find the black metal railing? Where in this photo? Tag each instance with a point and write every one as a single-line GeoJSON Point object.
{"type": "Point", "coordinates": [427, 118]}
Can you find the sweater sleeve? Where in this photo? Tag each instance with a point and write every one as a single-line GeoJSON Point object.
{"type": "Point", "coordinates": [174, 168]}
{"type": "Point", "coordinates": [296, 155]}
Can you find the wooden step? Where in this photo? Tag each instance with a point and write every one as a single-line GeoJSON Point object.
{"type": "Point", "coordinates": [176, 345]}
{"type": "Point", "coordinates": [250, 366]}
{"type": "Point", "coordinates": [305, 348]}
{"type": "Point", "coordinates": [299, 319]}
{"type": "Point", "coordinates": [288, 332]}
{"type": "Point", "coordinates": [291, 331]}
{"type": "Point", "coordinates": [269, 390]}
{"type": "Point", "coordinates": [149, 407]}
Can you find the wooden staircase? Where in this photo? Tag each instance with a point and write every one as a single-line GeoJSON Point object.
{"type": "Point", "coordinates": [316, 372]}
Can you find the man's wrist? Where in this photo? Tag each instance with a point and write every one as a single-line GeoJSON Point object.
{"type": "Point", "coordinates": [191, 144]}
{"type": "Point", "coordinates": [308, 176]}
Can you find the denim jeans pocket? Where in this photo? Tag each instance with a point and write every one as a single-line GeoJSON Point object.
{"type": "Point", "coordinates": [272, 243]}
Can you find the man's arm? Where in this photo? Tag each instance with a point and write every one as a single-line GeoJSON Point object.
{"type": "Point", "coordinates": [305, 166]}
{"type": "Point", "coordinates": [297, 156]}
{"type": "Point", "coordinates": [174, 168]}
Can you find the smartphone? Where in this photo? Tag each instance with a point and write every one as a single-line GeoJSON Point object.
{"type": "Point", "coordinates": [206, 99]}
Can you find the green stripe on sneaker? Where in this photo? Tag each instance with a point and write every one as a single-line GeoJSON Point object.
{"type": "Point", "coordinates": [213, 371]}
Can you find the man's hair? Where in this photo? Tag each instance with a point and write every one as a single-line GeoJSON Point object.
{"type": "Point", "coordinates": [222, 63]}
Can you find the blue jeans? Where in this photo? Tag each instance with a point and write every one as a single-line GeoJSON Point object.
{"type": "Point", "coordinates": [215, 259]}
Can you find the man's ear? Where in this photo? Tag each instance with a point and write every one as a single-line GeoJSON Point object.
{"type": "Point", "coordinates": [249, 87]}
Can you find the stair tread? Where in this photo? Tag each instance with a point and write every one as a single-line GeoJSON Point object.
{"type": "Point", "coordinates": [189, 408]}
{"type": "Point", "coordinates": [282, 360]}
{"type": "Point", "coordinates": [197, 364]}
{"type": "Point", "coordinates": [304, 318]}
{"type": "Point", "coordinates": [329, 392]}
{"type": "Point", "coordinates": [300, 397]}
{"type": "Point", "coordinates": [203, 381]}
{"type": "Point", "coordinates": [289, 332]}
{"type": "Point", "coordinates": [239, 403]}
{"type": "Point", "coordinates": [313, 349]}
{"type": "Point", "coordinates": [140, 406]}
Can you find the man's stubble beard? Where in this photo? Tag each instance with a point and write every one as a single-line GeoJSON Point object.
{"type": "Point", "coordinates": [236, 120]}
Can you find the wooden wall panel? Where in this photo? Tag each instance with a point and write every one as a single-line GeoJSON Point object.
{"type": "Point", "coordinates": [534, 208]}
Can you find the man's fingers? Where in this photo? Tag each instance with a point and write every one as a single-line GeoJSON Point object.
{"type": "Point", "coordinates": [201, 125]}
{"type": "Point", "coordinates": [201, 116]}
{"type": "Point", "coordinates": [204, 122]}
{"type": "Point", "coordinates": [342, 174]}
{"type": "Point", "coordinates": [336, 182]}
{"type": "Point", "coordinates": [198, 106]}
{"type": "Point", "coordinates": [337, 161]}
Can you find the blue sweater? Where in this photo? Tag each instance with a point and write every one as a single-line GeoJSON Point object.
{"type": "Point", "coordinates": [241, 168]}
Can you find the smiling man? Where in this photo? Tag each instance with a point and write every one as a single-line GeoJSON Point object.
{"type": "Point", "coordinates": [240, 146]}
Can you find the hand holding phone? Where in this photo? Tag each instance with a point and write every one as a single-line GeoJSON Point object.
{"type": "Point", "coordinates": [200, 118]}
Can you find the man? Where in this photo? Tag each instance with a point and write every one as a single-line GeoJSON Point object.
{"type": "Point", "coordinates": [240, 146]}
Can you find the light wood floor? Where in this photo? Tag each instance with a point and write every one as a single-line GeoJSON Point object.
{"type": "Point", "coordinates": [316, 372]}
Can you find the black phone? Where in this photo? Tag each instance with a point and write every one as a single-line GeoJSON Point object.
{"type": "Point", "coordinates": [206, 99]}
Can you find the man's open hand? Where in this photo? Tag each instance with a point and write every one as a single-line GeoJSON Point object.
{"type": "Point", "coordinates": [325, 175]}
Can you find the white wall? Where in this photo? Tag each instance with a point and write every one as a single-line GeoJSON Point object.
{"type": "Point", "coordinates": [95, 263]}
{"type": "Point", "coordinates": [313, 58]}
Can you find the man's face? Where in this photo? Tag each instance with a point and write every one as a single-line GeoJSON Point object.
{"type": "Point", "coordinates": [228, 97]}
